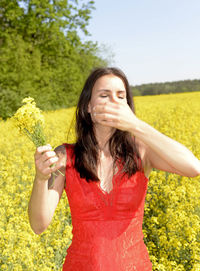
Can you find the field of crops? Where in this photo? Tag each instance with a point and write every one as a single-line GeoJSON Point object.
{"type": "Point", "coordinates": [172, 210]}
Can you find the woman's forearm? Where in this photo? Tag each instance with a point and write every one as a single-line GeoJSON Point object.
{"type": "Point", "coordinates": [38, 207]}
{"type": "Point", "coordinates": [173, 152]}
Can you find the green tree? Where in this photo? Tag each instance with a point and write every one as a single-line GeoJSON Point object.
{"type": "Point", "coordinates": [42, 54]}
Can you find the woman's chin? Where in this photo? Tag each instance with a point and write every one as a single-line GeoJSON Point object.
{"type": "Point", "coordinates": [99, 127]}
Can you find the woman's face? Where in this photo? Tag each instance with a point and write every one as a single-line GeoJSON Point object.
{"type": "Point", "coordinates": [107, 89]}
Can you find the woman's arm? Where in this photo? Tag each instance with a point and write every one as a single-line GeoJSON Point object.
{"type": "Point", "coordinates": [161, 152]}
{"type": "Point", "coordinates": [44, 198]}
{"type": "Point", "coordinates": [164, 153]}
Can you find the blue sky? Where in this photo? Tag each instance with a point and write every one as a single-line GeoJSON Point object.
{"type": "Point", "coordinates": [152, 40]}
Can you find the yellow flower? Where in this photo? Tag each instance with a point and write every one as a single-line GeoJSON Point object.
{"type": "Point", "coordinates": [173, 244]}
{"type": "Point", "coordinates": [30, 121]}
{"type": "Point", "coordinates": [28, 115]}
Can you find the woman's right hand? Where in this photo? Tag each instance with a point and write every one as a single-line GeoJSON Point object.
{"type": "Point", "coordinates": [44, 159]}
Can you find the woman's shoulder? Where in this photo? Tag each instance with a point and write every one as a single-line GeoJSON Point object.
{"type": "Point", "coordinates": [62, 153]}
{"type": "Point", "coordinates": [62, 149]}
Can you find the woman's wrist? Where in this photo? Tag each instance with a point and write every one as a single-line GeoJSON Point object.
{"type": "Point", "coordinates": [40, 179]}
{"type": "Point", "coordinates": [138, 128]}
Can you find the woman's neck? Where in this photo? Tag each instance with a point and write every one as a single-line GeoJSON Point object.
{"type": "Point", "coordinates": [103, 134]}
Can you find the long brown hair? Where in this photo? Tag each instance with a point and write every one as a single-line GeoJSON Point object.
{"type": "Point", "coordinates": [121, 145]}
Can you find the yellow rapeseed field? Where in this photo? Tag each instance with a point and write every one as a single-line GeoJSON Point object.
{"type": "Point", "coordinates": [172, 210]}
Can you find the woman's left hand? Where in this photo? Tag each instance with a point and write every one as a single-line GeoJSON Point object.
{"type": "Point", "coordinates": [117, 115]}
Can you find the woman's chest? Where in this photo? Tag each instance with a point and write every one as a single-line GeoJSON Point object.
{"type": "Point", "coordinates": [86, 199]}
{"type": "Point", "coordinates": [105, 172]}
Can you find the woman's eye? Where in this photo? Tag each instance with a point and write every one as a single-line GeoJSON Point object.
{"type": "Point", "coordinates": [104, 96]}
{"type": "Point", "coordinates": [121, 97]}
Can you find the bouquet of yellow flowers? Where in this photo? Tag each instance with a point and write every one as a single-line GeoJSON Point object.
{"type": "Point", "coordinates": [30, 121]}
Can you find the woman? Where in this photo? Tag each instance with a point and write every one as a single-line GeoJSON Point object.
{"type": "Point", "coordinates": [106, 178]}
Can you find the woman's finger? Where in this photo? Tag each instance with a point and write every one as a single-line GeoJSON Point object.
{"type": "Point", "coordinates": [42, 149]}
{"type": "Point", "coordinates": [108, 108]}
{"type": "Point", "coordinates": [46, 173]}
{"type": "Point", "coordinates": [45, 168]}
{"type": "Point", "coordinates": [41, 166]}
{"type": "Point", "coordinates": [106, 117]}
{"type": "Point", "coordinates": [50, 162]}
{"type": "Point", "coordinates": [47, 155]}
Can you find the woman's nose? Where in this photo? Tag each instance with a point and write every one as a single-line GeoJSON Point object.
{"type": "Point", "coordinates": [114, 99]}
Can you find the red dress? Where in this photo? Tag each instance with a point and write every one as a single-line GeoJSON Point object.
{"type": "Point", "coordinates": [107, 227]}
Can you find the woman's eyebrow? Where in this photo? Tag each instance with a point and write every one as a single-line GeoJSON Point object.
{"type": "Point", "coordinates": [108, 90]}
{"type": "Point", "coordinates": [105, 90]}
{"type": "Point", "coordinates": [121, 91]}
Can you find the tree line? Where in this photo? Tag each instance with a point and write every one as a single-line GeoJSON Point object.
{"type": "Point", "coordinates": [166, 87]}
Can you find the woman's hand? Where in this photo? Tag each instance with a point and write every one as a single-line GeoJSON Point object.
{"type": "Point", "coordinates": [117, 115]}
{"type": "Point", "coordinates": [44, 159]}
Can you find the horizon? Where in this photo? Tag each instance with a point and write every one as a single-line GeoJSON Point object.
{"type": "Point", "coordinates": [165, 82]}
